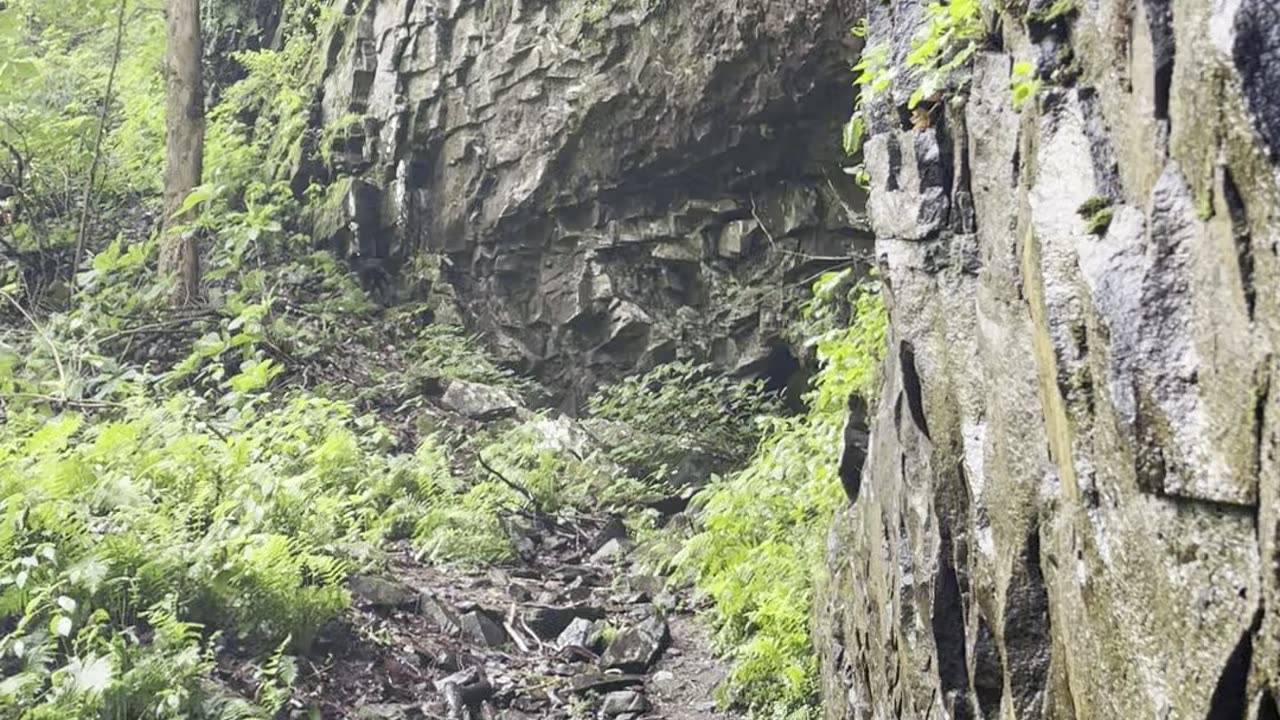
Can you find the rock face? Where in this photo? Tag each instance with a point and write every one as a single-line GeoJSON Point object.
{"type": "Point", "coordinates": [607, 183]}
{"type": "Point", "coordinates": [1069, 506]}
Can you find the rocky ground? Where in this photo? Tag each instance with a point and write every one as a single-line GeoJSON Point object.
{"type": "Point", "coordinates": [578, 631]}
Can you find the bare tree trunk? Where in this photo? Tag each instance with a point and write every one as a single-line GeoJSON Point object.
{"type": "Point", "coordinates": [184, 124]}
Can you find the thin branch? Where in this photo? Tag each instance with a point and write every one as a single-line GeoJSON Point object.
{"type": "Point", "coordinates": [509, 483]}
{"type": "Point", "coordinates": [85, 404]}
{"type": "Point", "coordinates": [57, 359]}
{"type": "Point", "coordinates": [760, 222]}
{"type": "Point", "coordinates": [16, 179]}
{"type": "Point", "coordinates": [87, 210]}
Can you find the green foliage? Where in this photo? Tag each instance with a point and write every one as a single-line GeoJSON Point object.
{"type": "Point", "coordinates": [1059, 9]}
{"type": "Point", "coordinates": [1023, 84]}
{"type": "Point", "coordinates": [952, 33]}
{"type": "Point", "coordinates": [763, 529]}
{"type": "Point", "coordinates": [940, 55]}
{"type": "Point", "coordinates": [1097, 213]}
{"type": "Point", "coordinates": [53, 76]}
{"type": "Point", "coordinates": [678, 410]}
{"type": "Point", "coordinates": [240, 528]}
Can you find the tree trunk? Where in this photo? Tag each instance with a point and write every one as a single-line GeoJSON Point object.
{"type": "Point", "coordinates": [184, 124]}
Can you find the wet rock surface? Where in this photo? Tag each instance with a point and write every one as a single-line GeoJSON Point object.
{"type": "Point", "coordinates": [603, 185]}
{"type": "Point", "coordinates": [1067, 508]}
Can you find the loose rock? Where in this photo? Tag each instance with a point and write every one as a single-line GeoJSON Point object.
{"type": "Point", "coordinates": [623, 701]}
{"type": "Point", "coordinates": [480, 629]}
{"type": "Point", "coordinates": [635, 648]}
{"type": "Point", "coordinates": [578, 633]}
{"type": "Point", "coordinates": [604, 682]}
{"type": "Point", "coordinates": [382, 594]}
{"type": "Point", "coordinates": [439, 613]}
{"type": "Point", "coordinates": [614, 549]}
{"type": "Point", "coordinates": [480, 402]}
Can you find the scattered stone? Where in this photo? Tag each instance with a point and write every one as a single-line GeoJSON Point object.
{"type": "Point", "coordinates": [631, 598]}
{"type": "Point", "coordinates": [380, 593]}
{"type": "Point", "coordinates": [635, 648]}
{"type": "Point", "coordinates": [646, 583]}
{"type": "Point", "coordinates": [387, 711]}
{"type": "Point", "coordinates": [578, 594]}
{"type": "Point", "coordinates": [620, 702]}
{"type": "Point", "coordinates": [480, 629]}
{"type": "Point", "coordinates": [480, 402]}
{"type": "Point", "coordinates": [439, 613]}
{"type": "Point", "coordinates": [614, 549]}
{"type": "Point", "coordinates": [473, 686]}
{"type": "Point", "coordinates": [442, 659]}
{"type": "Point", "coordinates": [599, 638]}
{"type": "Point", "coordinates": [664, 681]}
{"type": "Point", "coordinates": [578, 633]}
{"type": "Point", "coordinates": [604, 682]}
{"type": "Point", "coordinates": [549, 621]}
{"type": "Point", "coordinates": [614, 529]}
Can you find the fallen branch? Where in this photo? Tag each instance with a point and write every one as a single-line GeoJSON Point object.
{"type": "Point", "coordinates": [523, 491]}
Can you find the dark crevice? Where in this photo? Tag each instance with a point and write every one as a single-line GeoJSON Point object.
{"type": "Point", "coordinates": [1160, 25]}
{"type": "Point", "coordinates": [912, 387]}
{"type": "Point", "coordinates": [1163, 87]}
{"type": "Point", "coordinates": [1243, 241]}
{"type": "Point", "coordinates": [1267, 709]}
{"type": "Point", "coordinates": [988, 672]}
{"type": "Point", "coordinates": [895, 163]}
{"type": "Point", "coordinates": [1026, 628]}
{"type": "Point", "coordinates": [948, 631]}
{"type": "Point", "coordinates": [1260, 419]}
{"type": "Point", "coordinates": [1230, 700]}
{"type": "Point", "coordinates": [776, 370]}
{"type": "Point", "coordinates": [853, 456]}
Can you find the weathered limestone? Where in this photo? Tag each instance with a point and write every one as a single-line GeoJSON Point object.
{"type": "Point", "coordinates": [613, 183]}
{"type": "Point", "coordinates": [1069, 506]}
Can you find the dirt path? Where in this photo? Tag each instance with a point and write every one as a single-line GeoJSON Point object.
{"type": "Point", "coordinates": [575, 633]}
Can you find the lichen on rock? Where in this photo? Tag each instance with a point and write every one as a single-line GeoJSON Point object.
{"type": "Point", "coordinates": [1068, 508]}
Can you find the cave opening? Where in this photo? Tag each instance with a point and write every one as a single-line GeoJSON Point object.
{"type": "Point", "coordinates": [783, 375]}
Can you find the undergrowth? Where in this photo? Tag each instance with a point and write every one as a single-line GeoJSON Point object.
{"type": "Point", "coordinates": [180, 488]}
{"type": "Point", "coordinates": [763, 529]}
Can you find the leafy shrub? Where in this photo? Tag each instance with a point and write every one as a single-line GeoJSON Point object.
{"type": "Point", "coordinates": [677, 410]}
{"type": "Point", "coordinates": [763, 529]}
{"type": "Point", "coordinates": [241, 528]}
{"type": "Point", "coordinates": [938, 62]}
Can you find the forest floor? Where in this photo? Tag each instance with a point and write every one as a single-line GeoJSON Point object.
{"type": "Point", "coordinates": [576, 630]}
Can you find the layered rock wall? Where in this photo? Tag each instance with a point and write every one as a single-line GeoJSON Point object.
{"type": "Point", "coordinates": [608, 183]}
{"type": "Point", "coordinates": [1069, 509]}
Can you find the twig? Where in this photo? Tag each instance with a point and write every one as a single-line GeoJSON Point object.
{"type": "Point", "coordinates": [760, 222]}
{"type": "Point", "coordinates": [87, 404]}
{"type": "Point", "coordinates": [525, 626]}
{"type": "Point", "coordinates": [162, 328]}
{"type": "Point", "coordinates": [87, 208]}
{"type": "Point", "coordinates": [57, 359]}
{"type": "Point", "coordinates": [509, 483]}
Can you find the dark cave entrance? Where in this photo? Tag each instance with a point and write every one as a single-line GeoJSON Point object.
{"type": "Point", "coordinates": [783, 375]}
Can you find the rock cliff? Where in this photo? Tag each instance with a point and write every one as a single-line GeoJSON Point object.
{"type": "Point", "coordinates": [1069, 508]}
{"type": "Point", "coordinates": [604, 184]}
